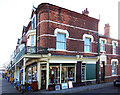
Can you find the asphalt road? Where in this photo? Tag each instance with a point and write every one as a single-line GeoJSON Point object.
{"type": "Point", "coordinates": [111, 90]}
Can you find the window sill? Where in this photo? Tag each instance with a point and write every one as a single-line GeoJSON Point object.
{"type": "Point", "coordinates": [102, 51]}
{"type": "Point", "coordinates": [114, 54]}
{"type": "Point", "coordinates": [114, 75]}
{"type": "Point", "coordinates": [87, 52]}
{"type": "Point", "coordinates": [60, 50]}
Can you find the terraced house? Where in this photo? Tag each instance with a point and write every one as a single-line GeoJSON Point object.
{"type": "Point", "coordinates": [60, 45]}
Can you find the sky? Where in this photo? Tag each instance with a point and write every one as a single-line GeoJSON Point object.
{"type": "Point", "coordinates": [16, 13]}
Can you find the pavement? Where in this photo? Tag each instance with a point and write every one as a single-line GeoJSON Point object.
{"type": "Point", "coordinates": [0, 83]}
{"type": "Point", "coordinates": [79, 89]}
{"type": "Point", "coordinates": [9, 88]}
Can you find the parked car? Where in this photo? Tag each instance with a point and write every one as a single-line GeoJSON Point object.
{"type": "Point", "coordinates": [117, 81]}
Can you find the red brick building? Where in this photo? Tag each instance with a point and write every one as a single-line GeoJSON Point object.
{"type": "Point", "coordinates": [60, 45]}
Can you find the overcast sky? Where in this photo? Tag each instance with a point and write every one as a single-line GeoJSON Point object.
{"type": "Point", "coordinates": [16, 13]}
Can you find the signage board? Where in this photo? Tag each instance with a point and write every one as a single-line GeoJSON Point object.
{"type": "Point", "coordinates": [64, 85]}
{"type": "Point", "coordinates": [57, 87]}
{"type": "Point", "coordinates": [70, 84]}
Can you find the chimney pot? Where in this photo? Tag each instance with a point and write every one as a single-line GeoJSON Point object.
{"type": "Point", "coordinates": [107, 30]}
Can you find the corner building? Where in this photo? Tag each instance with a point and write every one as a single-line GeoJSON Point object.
{"type": "Point", "coordinates": [59, 46]}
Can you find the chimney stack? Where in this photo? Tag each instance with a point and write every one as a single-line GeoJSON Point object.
{"type": "Point", "coordinates": [85, 12]}
{"type": "Point", "coordinates": [107, 30]}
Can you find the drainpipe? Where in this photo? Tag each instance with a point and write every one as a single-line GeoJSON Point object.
{"type": "Point", "coordinates": [98, 60]}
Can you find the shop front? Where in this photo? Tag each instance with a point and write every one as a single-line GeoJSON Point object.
{"type": "Point", "coordinates": [60, 73]}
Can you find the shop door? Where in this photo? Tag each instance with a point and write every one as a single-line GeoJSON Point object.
{"type": "Point", "coordinates": [102, 71]}
{"type": "Point", "coordinates": [43, 79]}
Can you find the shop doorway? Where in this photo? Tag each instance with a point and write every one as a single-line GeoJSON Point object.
{"type": "Point", "coordinates": [43, 79]}
{"type": "Point", "coordinates": [102, 71]}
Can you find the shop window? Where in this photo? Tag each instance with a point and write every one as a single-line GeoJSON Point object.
{"type": "Point", "coordinates": [67, 74]}
{"type": "Point", "coordinates": [29, 74]}
{"type": "Point", "coordinates": [54, 75]}
{"type": "Point", "coordinates": [83, 72]}
{"type": "Point", "coordinates": [114, 68]}
{"type": "Point", "coordinates": [34, 73]}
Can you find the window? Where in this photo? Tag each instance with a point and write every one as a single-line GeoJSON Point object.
{"type": "Point", "coordinates": [32, 48]}
{"type": "Point", "coordinates": [32, 40]}
{"type": "Point", "coordinates": [114, 48]}
{"type": "Point", "coordinates": [83, 72]}
{"type": "Point", "coordinates": [54, 75]}
{"type": "Point", "coordinates": [35, 21]}
{"type": "Point", "coordinates": [114, 68]}
{"type": "Point", "coordinates": [61, 73]}
{"type": "Point", "coordinates": [61, 41]}
{"type": "Point", "coordinates": [102, 45]}
{"type": "Point", "coordinates": [32, 25]}
{"type": "Point", "coordinates": [87, 45]}
{"type": "Point", "coordinates": [67, 74]}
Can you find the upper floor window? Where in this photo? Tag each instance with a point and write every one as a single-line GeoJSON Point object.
{"type": "Point", "coordinates": [61, 36]}
{"type": "Point", "coordinates": [114, 48]}
{"type": "Point", "coordinates": [61, 41]}
{"type": "Point", "coordinates": [32, 25]}
{"type": "Point", "coordinates": [102, 45]}
{"type": "Point", "coordinates": [32, 40]}
{"type": "Point", "coordinates": [88, 39]}
{"type": "Point", "coordinates": [87, 45]}
{"type": "Point", "coordinates": [35, 21]}
{"type": "Point", "coordinates": [114, 44]}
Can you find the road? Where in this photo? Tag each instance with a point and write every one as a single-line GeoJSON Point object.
{"type": "Point", "coordinates": [111, 89]}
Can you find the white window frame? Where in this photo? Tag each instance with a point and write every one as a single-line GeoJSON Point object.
{"type": "Point", "coordinates": [56, 31]}
{"type": "Point", "coordinates": [92, 39]}
{"type": "Point", "coordinates": [105, 42]}
{"type": "Point", "coordinates": [85, 71]}
{"type": "Point", "coordinates": [116, 46]}
{"type": "Point", "coordinates": [115, 60]}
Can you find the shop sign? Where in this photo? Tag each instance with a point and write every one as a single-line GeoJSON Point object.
{"type": "Point", "coordinates": [70, 84]}
{"type": "Point", "coordinates": [64, 85]}
{"type": "Point", "coordinates": [57, 87]}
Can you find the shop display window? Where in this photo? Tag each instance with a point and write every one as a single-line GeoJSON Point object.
{"type": "Point", "coordinates": [34, 73]}
{"type": "Point", "coordinates": [54, 75]}
{"type": "Point", "coordinates": [83, 72]}
{"type": "Point", "coordinates": [67, 74]}
{"type": "Point", "coordinates": [65, 71]}
{"type": "Point", "coordinates": [29, 74]}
